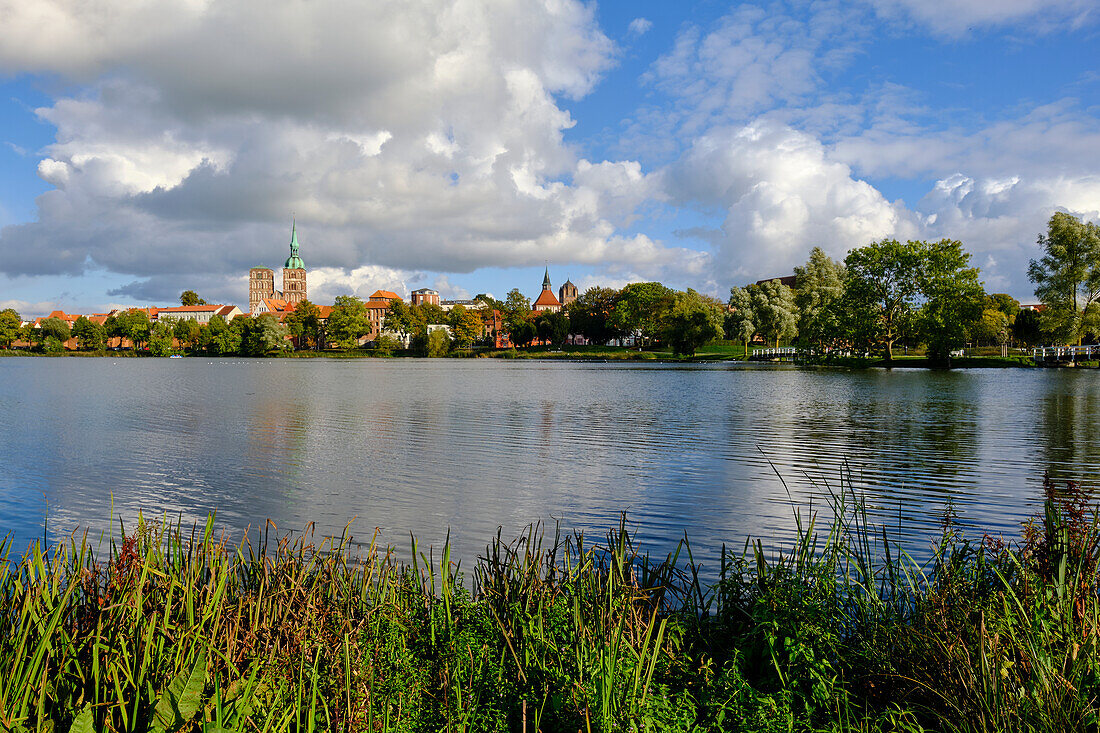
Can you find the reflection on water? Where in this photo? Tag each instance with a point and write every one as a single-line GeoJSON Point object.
{"type": "Point", "coordinates": [427, 446]}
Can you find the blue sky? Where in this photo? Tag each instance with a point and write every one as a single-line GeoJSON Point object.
{"type": "Point", "coordinates": [150, 148]}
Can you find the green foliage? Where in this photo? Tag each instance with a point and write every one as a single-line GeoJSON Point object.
{"type": "Point", "coordinates": [190, 297]}
{"type": "Point", "coordinates": [348, 321]}
{"type": "Point", "coordinates": [1067, 277]}
{"type": "Point", "coordinates": [516, 315]}
{"type": "Point", "coordinates": [817, 294]}
{"type": "Point", "coordinates": [438, 343]}
{"type": "Point", "coordinates": [740, 319]}
{"type": "Point", "coordinates": [89, 335]}
{"type": "Point", "coordinates": [187, 331]}
{"type": "Point", "coordinates": [466, 325]}
{"type": "Point", "coordinates": [130, 324]}
{"type": "Point", "coordinates": [1004, 303]}
{"type": "Point", "coordinates": [881, 294]}
{"type": "Point", "coordinates": [642, 308]}
{"type": "Point", "coordinates": [55, 328]}
{"type": "Point", "coordinates": [953, 297]}
{"type": "Point", "coordinates": [262, 334]}
{"type": "Point", "coordinates": [174, 629]}
{"type": "Point", "coordinates": [590, 315]}
{"type": "Point", "coordinates": [385, 345]}
{"type": "Point", "coordinates": [10, 323]}
{"type": "Point", "coordinates": [775, 310]}
{"type": "Point", "coordinates": [160, 339]}
{"type": "Point", "coordinates": [552, 328]}
{"type": "Point", "coordinates": [1028, 328]}
{"type": "Point", "coordinates": [304, 324]}
{"type": "Point", "coordinates": [219, 339]}
{"type": "Point", "coordinates": [991, 328]}
{"type": "Point", "coordinates": [692, 321]}
{"type": "Point", "coordinates": [522, 333]}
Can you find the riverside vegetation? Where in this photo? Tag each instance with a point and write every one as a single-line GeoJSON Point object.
{"type": "Point", "coordinates": [178, 631]}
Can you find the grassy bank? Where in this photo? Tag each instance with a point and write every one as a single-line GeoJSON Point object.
{"type": "Point", "coordinates": [182, 631]}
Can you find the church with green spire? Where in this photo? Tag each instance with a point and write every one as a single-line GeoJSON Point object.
{"type": "Point", "coordinates": [262, 295]}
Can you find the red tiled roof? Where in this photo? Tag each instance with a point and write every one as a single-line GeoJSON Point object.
{"type": "Point", "coordinates": [379, 294]}
{"type": "Point", "coordinates": [377, 304]}
{"type": "Point", "coordinates": [546, 297]}
{"type": "Point", "coordinates": [192, 308]}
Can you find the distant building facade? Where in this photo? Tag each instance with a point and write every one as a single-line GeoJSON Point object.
{"type": "Point", "coordinates": [567, 293]}
{"type": "Point", "coordinates": [546, 300]}
{"type": "Point", "coordinates": [261, 281]}
{"type": "Point", "coordinates": [424, 296]}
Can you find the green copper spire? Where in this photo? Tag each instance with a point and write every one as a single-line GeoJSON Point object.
{"type": "Point", "coordinates": [294, 262]}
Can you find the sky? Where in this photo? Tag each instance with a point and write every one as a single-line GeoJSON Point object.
{"type": "Point", "coordinates": [153, 146]}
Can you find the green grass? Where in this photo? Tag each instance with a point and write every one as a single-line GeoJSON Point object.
{"type": "Point", "coordinates": [182, 631]}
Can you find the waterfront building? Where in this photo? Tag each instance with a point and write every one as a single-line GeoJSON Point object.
{"type": "Point", "coordinates": [377, 306]}
{"type": "Point", "coordinates": [470, 305]}
{"type": "Point", "coordinates": [546, 300]}
{"type": "Point", "coordinates": [261, 280]}
{"type": "Point", "coordinates": [424, 296]}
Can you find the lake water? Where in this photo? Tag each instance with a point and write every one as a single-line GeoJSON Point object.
{"type": "Point", "coordinates": [427, 446]}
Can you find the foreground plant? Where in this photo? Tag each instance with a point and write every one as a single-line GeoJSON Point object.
{"type": "Point", "coordinates": [173, 631]}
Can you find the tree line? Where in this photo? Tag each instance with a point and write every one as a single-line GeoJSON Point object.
{"type": "Point", "coordinates": [914, 293]}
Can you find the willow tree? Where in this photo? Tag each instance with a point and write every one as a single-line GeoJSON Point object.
{"type": "Point", "coordinates": [1067, 277]}
{"type": "Point", "coordinates": [819, 287]}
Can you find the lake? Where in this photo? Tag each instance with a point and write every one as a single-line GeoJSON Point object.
{"type": "Point", "coordinates": [465, 446]}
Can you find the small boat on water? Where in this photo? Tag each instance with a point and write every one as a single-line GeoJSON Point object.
{"type": "Point", "coordinates": [176, 356]}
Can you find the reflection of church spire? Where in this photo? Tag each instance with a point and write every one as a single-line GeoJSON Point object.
{"type": "Point", "coordinates": [546, 279]}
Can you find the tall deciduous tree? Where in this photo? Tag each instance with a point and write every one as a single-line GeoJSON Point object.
{"type": "Point", "coordinates": [160, 339]}
{"type": "Point", "coordinates": [55, 328]}
{"type": "Point", "coordinates": [466, 325]}
{"type": "Point", "coordinates": [818, 290]}
{"type": "Point", "coordinates": [552, 327]}
{"type": "Point", "coordinates": [953, 297]}
{"type": "Point", "coordinates": [190, 297]}
{"type": "Point", "coordinates": [641, 308]}
{"type": "Point", "coordinates": [187, 331]}
{"type": "Point", "coordinates": [348, 321]}
{"type": "Point", "coordinates": [740, 320]}
{"type": "Point", "coordinates": [590, 315]}
{"type": "Point", "coordinates": [1067, 277]}
{"type": "Point", "coordinates": [775, 309]}
{"type": "Point", "coordinates": [881, 292]}
{"type": "Point", "coordinates": [10, 323]}
{"type": "Point", "coordinates": [89, 335]}
{"type": "Point", "coordinates": [692, 321]}
{"type": "Point", "coordinates": [304, 324]}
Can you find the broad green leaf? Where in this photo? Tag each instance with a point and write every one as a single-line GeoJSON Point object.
{"type": "Point", "coordinates": [84, 722]}
{"type": "Point", "coordinates": [181, 700]}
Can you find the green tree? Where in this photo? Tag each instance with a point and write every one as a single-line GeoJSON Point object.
{"type": "Point", "coordinates": [590, 315]}
{"type": "Point", "coordinates": [641, 308]}
{"type": "Point", "coordinates": [552, 328]}
{"type": "Point", "coordinates": [160, 339]}
{"type": "Point", "coordinates": [1027, 329]}
{"type": "Point", "coordinates": [304, 324]}
{"type": "Point", "coordinates": [692, 321]}
{"type": "Point", "coordinates": [466, 325]}
{"type": "Point", "coordinates": [881, 293]}
{"type": "Point", "coordinates": [89, 335]}
{"type": "Point", "coordinates": [348, 321]}
{"type": "Point", "coordinates": [517, 311]}
{"type": "Point", "coordinates": [385, 345]}
{"type": "Point", "coordinates": [219, 338]}
{"type": "Point", "coordinates": [775, 310]}
{"type": "Point", "coordinates": [10, 323]}
{"type": "Point", "coordinates": [430, 313]}
{"type": "Point", "coordinates": [262, 335]}
{"type": "Point", "coordinates": [953, 297]}
{"type": "Point", "coordinates": [991, 328]}
{"type": "Point", "coordinates": [30, 334]}
{"type": "Point", "coordinates": [522, 333]}
{"type": "Point", "coordinates": [817, 293]}
{"type": "Point", "coordinates": [1004, 303]}
{"type": "Point", "coordinates": [132, 324]}
{"type": "Point", "coordinates": [186, 331]}
{"type": "Point", "coordinates": [438, 342]}
{"type": "Point", "coordinates": [55, 328]}
{"type": "Point", "coordinates": [190, 297]}
{"type": "Point", "coordinates": [1067, 277]}
{"type": "Point", "coordinates": [740, 318]}
{"type": "Point", "coordinates": [399, 318]}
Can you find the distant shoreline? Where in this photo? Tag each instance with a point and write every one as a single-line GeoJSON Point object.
{"type": "Point", "coordinates": [585, 354]}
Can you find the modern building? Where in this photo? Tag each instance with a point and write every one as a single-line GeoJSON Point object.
{"type": "Point", "coordinates": [567, 293]}
{"type": "Point", "coordinates": [546, 300]}
{"type": "Point", "coordinates": [261, 280]}
{"type": "Point", "coordinates": [424, 296]}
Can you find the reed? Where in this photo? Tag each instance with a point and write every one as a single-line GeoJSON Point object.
{"type": "Point", "coordinates": [171, 629]}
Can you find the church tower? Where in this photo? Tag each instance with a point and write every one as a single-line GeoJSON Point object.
{"type": "Point", "coordinates": [294, 272]}
{"type": "Point", "coordinates": [567, 293]}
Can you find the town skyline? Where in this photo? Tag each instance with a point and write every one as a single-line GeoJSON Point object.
{"type": "Point", "coordinates": [702, 146]}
